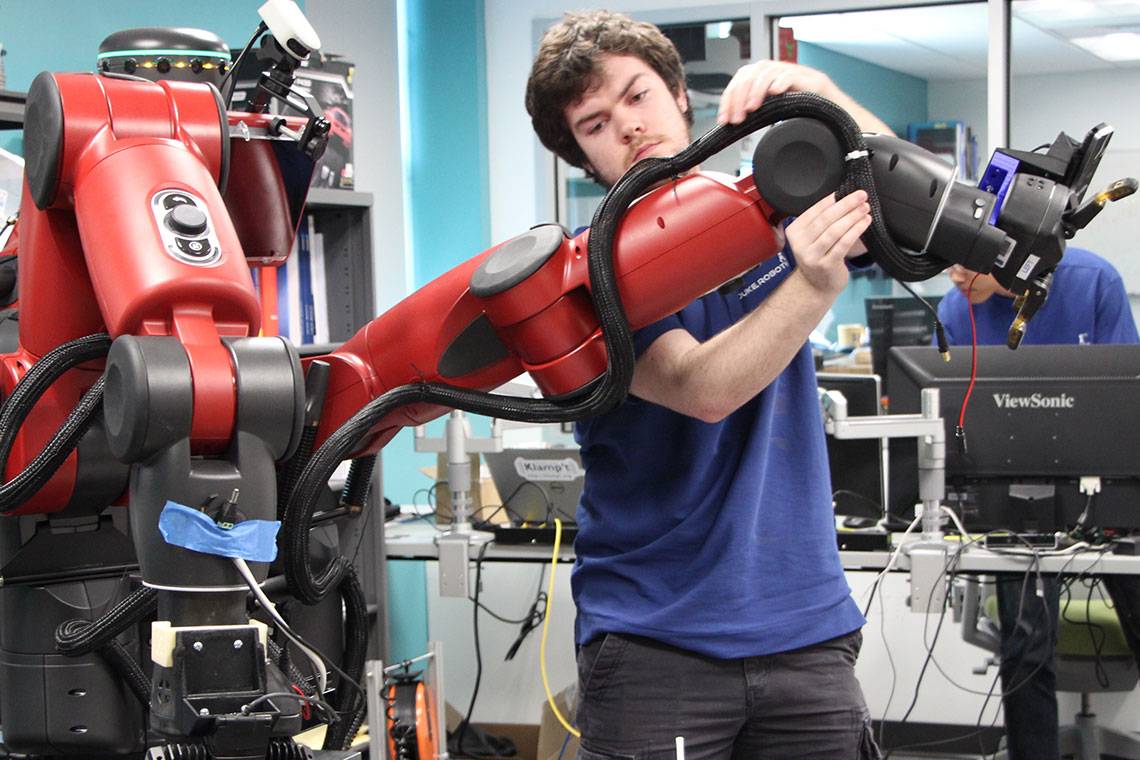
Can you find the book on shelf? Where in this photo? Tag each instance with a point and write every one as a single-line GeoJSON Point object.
{"type": "Point", "coordinates": [298, 304]}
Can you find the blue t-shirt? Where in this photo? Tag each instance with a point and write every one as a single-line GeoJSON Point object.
{"type": "Point", "coordinates": [716, 538]}
{"type": "Point", "coordinates": [1087, 303]}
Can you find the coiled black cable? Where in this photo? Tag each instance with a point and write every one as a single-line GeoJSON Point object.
{"type": "Point", "coordinates": [611, 388]}
{"type": "Point", "coordinates": [24, 396]}
{"type": "Point", "coordinates": [75, 638]}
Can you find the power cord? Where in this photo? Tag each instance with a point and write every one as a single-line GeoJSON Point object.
{"type": "Point", "coordinates": [960, 429]}
{"type": "Point", "coordinates": [546, 627]}
{"type": "Point", "coordinates": [939, 330]}
{"type": "Point", "coordinates": [321, 661]}
{"type": "Point", "coordinates": [478, 650]}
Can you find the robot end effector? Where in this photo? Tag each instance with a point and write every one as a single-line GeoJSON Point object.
{"type": "Point", "coordinates": [1013, 225]}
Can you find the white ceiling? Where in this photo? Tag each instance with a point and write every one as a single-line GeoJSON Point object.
{"type": "Point", "coordinates": [948, 42]}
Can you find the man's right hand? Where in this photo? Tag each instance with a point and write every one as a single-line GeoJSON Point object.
{"type": "Point", "coordinates": [825, 236]}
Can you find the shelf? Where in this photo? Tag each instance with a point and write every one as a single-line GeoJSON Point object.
{"type": "Point", "coordinates": [12, 109]}
{"type": "Point", "coordinates": [327, 197]}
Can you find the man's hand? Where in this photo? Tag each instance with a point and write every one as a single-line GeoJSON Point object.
{"type": "Point", "coordinates": [754, 82]}
{"type": "Point", "coordinates": [825, 235]}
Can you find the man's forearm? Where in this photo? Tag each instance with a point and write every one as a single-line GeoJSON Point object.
{"type": "Point", "coordinates": [714, 378]}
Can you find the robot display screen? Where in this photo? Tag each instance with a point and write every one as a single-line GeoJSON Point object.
{"type": "Point", "coordinates": [1038, 421]}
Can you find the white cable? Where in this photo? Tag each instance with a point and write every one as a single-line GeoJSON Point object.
{"type": "Point", "coordinates": [890, 660]}
{"type": "Point", "coordinates": [894, 555]}
{"type": "Point", "coordinates": [268, 606]}
{"type": "Point", "coordinates": [957, 522]}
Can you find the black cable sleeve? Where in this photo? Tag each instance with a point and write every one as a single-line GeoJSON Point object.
{"type": "Point", "coordinates": [25, 395]}
{"type": "Point", "coordinates": [316, 388]}
{"type": "Point", "coordinates": [354, 495]}
{"type": "Point", "coordinates": [79, 637]}
{"type": "Point", "coordinates": [40, 470]}
{"type": "Point", "coordinates": [291, 470]}
{"type": "Point", "coordinates": [128, 669]}
{"type": "Point", "coordinates": [611, 388]}
{"type": "Point", "coordinates": [899, 263]}
{"type": "Point", "coordinates": [348, 702]}
{"type": "Point", "coordinates": [280, 657]}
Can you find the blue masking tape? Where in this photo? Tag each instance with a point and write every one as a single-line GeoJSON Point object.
{"type": "Point", "coordinates": [253, 540]}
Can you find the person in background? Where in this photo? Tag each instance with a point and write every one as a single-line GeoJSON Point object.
{"type": "Point", "coordinates": [1087, 304]}
{"type": "Point", "coordinates": [711, 600]}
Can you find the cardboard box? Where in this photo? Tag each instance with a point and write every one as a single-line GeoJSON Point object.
{"type": "Point", "coordinates": [483, 491]}
{"type": "Point", "coordinates": [551, 732]}
{"type": "Point", "coordinates": [329, 80]}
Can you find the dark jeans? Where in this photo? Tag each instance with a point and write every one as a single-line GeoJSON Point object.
{"type": "Point", "coordinates": [636, 695]}
{"type": "Point", "coordinates": [1028, 668]}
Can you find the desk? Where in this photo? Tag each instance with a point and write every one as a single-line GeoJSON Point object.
{"type": "Point", "coordinates": [409, 537]}
{"type": "Point", "coordinates": [894, 640]}
{"type": "Point", "coordinates": [413, 538]}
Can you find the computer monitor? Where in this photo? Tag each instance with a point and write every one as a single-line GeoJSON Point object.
{"type": "Point", "coordinates": [1040, 418]}
{"type": "Point", "coordinates": [897, 321]}
{"type": "Point", "coordinates": [858, 487]}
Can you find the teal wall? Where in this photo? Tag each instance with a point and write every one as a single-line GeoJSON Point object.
{"type": "Point", "coordinates": [447, 106]}
{"type": "Point", "coordinates": [445, 81]}
{"type": "Point", "coordinates": [64, 35]}
{"type": "Point", "coordinates": [898, 99]}
{"type": "Point", "coordinates": [448, 214]}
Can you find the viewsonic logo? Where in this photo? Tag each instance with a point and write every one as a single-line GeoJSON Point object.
{"type": "Point", "coordinates": [1034, 401]}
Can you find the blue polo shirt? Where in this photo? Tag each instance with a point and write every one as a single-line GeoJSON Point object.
{"type": "Point", "coordinates": [1087, 303]}
{"type": "Point", "coordinates": [717, 538]}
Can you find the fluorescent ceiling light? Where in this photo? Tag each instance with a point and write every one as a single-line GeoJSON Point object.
{"type": "Point", "coordinates": [1051, 14]}
{"type": "Point", "coordinates": [1118, 46]}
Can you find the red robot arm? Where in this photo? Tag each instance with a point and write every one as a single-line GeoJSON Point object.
{"type": "Point", "coordinates": [524, 306]}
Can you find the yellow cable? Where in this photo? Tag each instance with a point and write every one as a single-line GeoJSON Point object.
{"type": "Point", "coordinates": [546, 626]}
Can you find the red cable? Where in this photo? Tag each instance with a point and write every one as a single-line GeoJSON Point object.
{"type": "Point", "coordinates": [306, 711]}
{"type": "Point", "coordinates": [973, 354]}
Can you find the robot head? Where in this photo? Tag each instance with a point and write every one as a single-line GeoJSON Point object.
{"type": "Point", "coordinates": [186, 55]}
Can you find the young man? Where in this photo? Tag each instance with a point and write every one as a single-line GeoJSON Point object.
{"type": "Point", "coordinates": [1087, 304]}
{"type": "Point", "coordinates": [711, 601]}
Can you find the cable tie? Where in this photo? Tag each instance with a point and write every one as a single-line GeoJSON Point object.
{"type": "Point", "coordinates": [857, 154]}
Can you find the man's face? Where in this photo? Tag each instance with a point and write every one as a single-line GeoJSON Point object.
{"type": "Point", "coordinates": [627, 115]}
{"type": "Point", "coordinates": [984, 287]}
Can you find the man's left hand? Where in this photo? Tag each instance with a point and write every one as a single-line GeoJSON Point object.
{"type": "Point", "coordinates": [756, 81]}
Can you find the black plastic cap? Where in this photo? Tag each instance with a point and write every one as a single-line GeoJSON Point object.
{"type": "Point", "coordinates": [796, 163]}
{"type": "Point", "coordinates": [43, 139]}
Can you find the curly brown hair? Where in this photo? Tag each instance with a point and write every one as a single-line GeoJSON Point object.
{"type": "Point", "coordinates": [568, 64]}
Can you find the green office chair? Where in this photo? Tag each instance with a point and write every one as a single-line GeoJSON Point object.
{"type": "Point", "coordinates": [1077, 657]}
